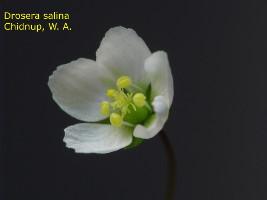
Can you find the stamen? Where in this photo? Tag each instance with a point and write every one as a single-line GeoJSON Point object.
{"type": "Point", "coordinates": [128, 124]}
{"type": "Point", "coordinates": [139, 99]}
{"type": "Point", "coordinates": [148, 107]}
{"type": "Point", "coordinates": [105, 108]}
{"type": "Point", "coordinates": [116, 120]}
{"type": "Point", "coordinates": [111, 93]}
{"type": "Point", "coordinates": [124, 81]}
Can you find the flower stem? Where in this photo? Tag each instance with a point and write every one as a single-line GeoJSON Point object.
{"type": "Point", "coordinates": [171, 165]}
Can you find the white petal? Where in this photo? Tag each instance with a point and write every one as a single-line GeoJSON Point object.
{"type": "Point", "coordinates": [97, 138]}
{"type": "Point", "coordinates": [156, 121]}
{"type": "Point", "coordinates": [159, 72]}
{"type": "Point", "coordinates": [78, 89]}
{"type": "Point", "coordinates": [123, 52]}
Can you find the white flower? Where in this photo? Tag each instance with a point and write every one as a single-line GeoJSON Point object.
{"type": "Point", "coordinates": [126, 84]}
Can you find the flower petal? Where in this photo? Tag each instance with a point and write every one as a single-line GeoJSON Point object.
{"type": "Point", "coordinates": [123, 52]}
{"type": "Point", "coordinates": [159, 73]}
{"type": "Point", "coordinates": [78, 89]}
{"type": "Point", "coordinates": [156, 122]}
{"type": "Point", "coordinates": [97, 138]}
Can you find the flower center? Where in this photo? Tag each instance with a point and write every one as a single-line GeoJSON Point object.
{"type": "Point", "coordinates": [128, 108]}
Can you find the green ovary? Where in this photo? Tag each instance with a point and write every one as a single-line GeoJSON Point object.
{"type": "Point", "coordinates": [138, 116]}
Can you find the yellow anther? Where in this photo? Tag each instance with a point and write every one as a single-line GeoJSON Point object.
{"type": "Point", "coordinates": [111, 93]}
{"type": "Point", "coordinates": [105, 108]}
{"type": "Point", "coordinates": [139, 99]}
{"type": "Point", "coordinates": [116, 120]}
{"type": "Point", "coordinates": [124, 81]}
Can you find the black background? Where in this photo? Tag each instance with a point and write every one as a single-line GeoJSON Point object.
{"type": "Point", "coordinates": [217, 52]}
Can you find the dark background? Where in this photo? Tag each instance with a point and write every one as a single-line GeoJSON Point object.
{"type": "Point", "coordinates": [217, 52]}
